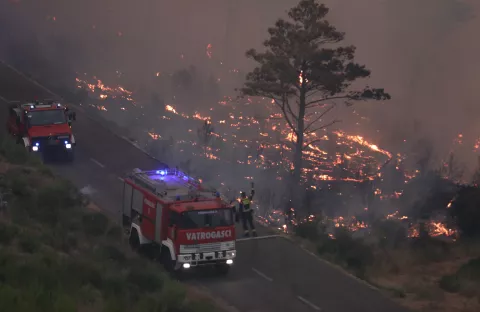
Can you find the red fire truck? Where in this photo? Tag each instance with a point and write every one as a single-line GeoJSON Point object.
{"type": "Point", "coordinates": [183, 223]}
{"type": "Point", "coordinates": [43, 127]}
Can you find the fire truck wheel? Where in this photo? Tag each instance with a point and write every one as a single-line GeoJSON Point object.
{"type": "Point", "coordinates": [134, 240]}
{"type": "Point", "coordinates": [222, 269]}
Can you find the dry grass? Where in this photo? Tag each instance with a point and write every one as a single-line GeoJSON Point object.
{"type": "Point", "coordinates": [411, 275]}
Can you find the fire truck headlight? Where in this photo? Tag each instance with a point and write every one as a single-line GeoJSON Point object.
{"type": "Point", "coordinates": [68, 146]}
{"type": "Point", "coordinates": [186, 265]}
{"type": "Point", "coordinates": [229, 261]}
{"type": "Point", "coordinates": [35, 148]}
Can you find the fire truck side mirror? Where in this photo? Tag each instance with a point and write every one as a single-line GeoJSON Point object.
{"type": "Point", "coordinates": [72, 116]}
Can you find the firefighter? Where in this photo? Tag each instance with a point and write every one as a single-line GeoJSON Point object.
{"type": "Point", "coordinates": [246, 211]}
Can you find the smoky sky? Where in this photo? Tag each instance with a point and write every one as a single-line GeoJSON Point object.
{"type": "Point", "coordinates": [424, 52]}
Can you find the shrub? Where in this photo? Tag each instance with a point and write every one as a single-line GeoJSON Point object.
{"type": "Point", "coordinates": [308, 230]}
{"type": "Point", "coordinates": [19, 184]}
{"type": "Point", "coordinates": [173, 296]}
{"type": "Point", "coordinates": [95, 224]}
{"type": "Point", "coordinates": [450, 283]}
{"type": "Point", "coordinates": [470, 270]}
{"type": "Point", "coordinates": [391, 233]}
{"type": "Point", "coordinates": [429, 249]}
{"type": "Point", "coordinates": [7, 233]}
{"type": "Point", "coordinates": [113, 253]}
{"type": "Point", "coordinates": [465, 211]}
{"type": "Point", "coordinates": [146, 280]}
{"type": "Point", "coordinates": [115, 285]}
{"type": "Point", "coordinates": [352, 253]}
{"type": "Point", "coordinates": [115, 232]}
{"type": "Point", "coordinates": [29, 244]}
{"type": "Point", "coordinates": [13, 153]}
{"type": "Point", "coordinates": [200, 306]}
{"type": "Point", "coordinates": [84, 272]}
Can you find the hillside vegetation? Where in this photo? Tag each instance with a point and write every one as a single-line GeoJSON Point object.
{"type": "Point", "coordinates": [57, 255]}
{"type": "Point", "coordinates": [422, 273]}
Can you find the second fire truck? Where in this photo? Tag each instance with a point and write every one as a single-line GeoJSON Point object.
{"type": "Point", "coordinates": [43, 128]}
{"type": "Point", "coordinates": [183, 223]}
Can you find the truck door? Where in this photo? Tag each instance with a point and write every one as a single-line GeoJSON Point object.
{"type": "Point", "coordinates": [149, 217]}
{"type": "Point", "coordinates": [127, 203]}
{"type": "Point", "coordinates": [158, 222]}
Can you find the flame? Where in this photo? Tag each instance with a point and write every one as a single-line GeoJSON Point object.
{"type": "Point", "coordinates": [209, 51]}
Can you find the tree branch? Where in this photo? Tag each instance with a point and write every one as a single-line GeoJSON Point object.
{"type": "Point", "coordinates": [319, 117]}
{"type": "Point", "coordinates": [314, 102]}
{"type": "Point", "coordinates": [323, 127]}
{"type": "Point", "coordinates": [285, 115]}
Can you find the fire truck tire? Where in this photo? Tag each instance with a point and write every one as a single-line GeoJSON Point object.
{"type": "Point", "coordinates": [222, 269]}
{"type": "Point", "coordinates": [134, 240]}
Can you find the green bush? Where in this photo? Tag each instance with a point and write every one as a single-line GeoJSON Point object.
{"type": "Point", "coordinates": [19, 184]}
{"type": "Point", "coordinates": [95, 224]}
{"type": "Point", "coordinates": [29, 244]}
{"type": "Point", "coordinates": [7, 233]}
{"type": "Point", "coordinates": [113, 253]}
{"type": "Point", "coordinates": [200, 306]}
{"type": "Point", "coordinates": [173, 296]}
{"type": "Point", "coordinates": [429, 249]}
{"type": "Point", "coordinates": [84, 272]}
{"type": "Point", "coordinates": [450, 283]}
{"type": "Point", "coordinates": [391, 233]}
{"type": "Point", "coordinates": [115, 232]}
{"type": "Point", "coordinates": [13, 153]}
{"type": "Point", "coordinates": [115, 285]}
{"type": "Point", "coordinates": [145, 279]}
{"type": "Point", "coordinates": [352, 253]}
{"type": "Point", "coordinates": [470, 270]}
{"type": "Point", "coordinates": [308, 230]}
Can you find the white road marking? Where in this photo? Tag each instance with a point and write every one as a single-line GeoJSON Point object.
{"type": "Point", "coordinates": [255, 238]}
{"type": "Point", "coordinates": [311, 305]}
{"type": "Point", "coordinates": [29, 79]}
{"type": "Point", "coordinates": [120, 179]}
{"type": "Point", "coordinates": [262, 275]}
{"type": "Point", "coordinates": [97, 162]}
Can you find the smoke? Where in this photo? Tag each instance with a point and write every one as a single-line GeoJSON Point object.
{"type": "Point", "coordinates": [423, 52]}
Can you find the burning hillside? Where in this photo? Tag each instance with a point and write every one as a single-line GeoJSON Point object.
{"type": "Point", "coordinates": [267, 139]}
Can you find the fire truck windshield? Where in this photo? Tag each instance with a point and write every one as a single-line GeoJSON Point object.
{"type": "Point", "coordinates": [206, 218]}
{"type": "Point", "coordinates": [46, 117]}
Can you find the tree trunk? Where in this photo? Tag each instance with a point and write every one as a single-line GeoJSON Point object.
{"type": "Point", "coordinates": [298, 156]}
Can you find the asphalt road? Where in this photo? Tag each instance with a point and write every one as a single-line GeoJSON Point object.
{"type": "Point", "coordinates": [270, 274]}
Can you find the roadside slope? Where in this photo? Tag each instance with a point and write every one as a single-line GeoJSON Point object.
{"type": "Point", "coordinates": [56, 255]}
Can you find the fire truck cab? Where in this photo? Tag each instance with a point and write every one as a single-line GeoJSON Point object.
{"type": "Point", "coordinates": [181, 222]}
{"type": "Point", "coordinates": [43, 127]}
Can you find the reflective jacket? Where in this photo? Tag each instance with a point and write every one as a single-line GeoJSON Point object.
{"type": "Point", "coordinates": [244, 205]}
